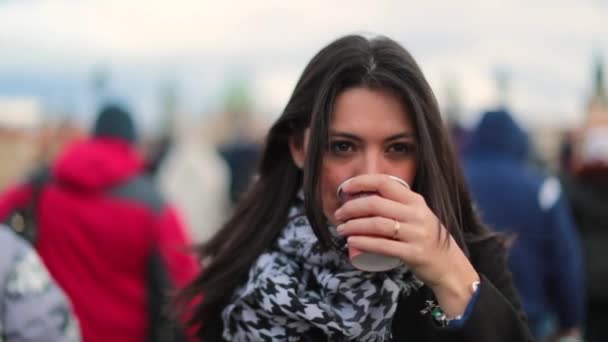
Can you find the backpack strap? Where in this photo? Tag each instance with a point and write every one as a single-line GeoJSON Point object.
{"type": "Point", "coordinates": [23, 220]}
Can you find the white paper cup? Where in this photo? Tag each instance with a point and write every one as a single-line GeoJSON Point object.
{"type": "Point", "coordinates": [365, 261]}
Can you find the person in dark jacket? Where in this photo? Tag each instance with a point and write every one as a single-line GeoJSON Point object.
{"type": "Point", "coordinates": [516, 199]}
{"type": "Point", "coordinates": [279, 269]}
{"type": "Point", "coordinates": [241, 157]}
{"type": "Point", "coordinates": [587, 189]}
{"type": "Point", "coordinates": [105, 233]}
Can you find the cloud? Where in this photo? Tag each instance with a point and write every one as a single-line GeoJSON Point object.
{"type": "Point", "coordinates": [547, 45]}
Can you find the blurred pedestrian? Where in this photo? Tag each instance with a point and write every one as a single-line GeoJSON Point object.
{"type": "Point", "coordinates": [106, 235]}
{"type": "Point", "coordinates": [514, 198]}
{"type": "Point", "coordinates": [32, 307]}
{"type": "Point", "coordinates": [196, 180]}
{"type": "Point", "coordinates": [587, 189]}
{"type": "Point", "coordinates": [241, 157]}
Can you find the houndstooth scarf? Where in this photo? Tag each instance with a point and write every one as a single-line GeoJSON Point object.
{"type": "Point", "coordinates": [297, 286]}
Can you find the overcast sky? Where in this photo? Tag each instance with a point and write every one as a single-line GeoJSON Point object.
{"type": "Point", "coordinates": [48, 48]}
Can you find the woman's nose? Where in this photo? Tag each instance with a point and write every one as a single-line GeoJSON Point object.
{"type": "Point", "coordinates": [371, 163]}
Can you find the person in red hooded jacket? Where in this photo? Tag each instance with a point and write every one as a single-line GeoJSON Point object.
{"type": "Point", "coordinates": [106, 235]}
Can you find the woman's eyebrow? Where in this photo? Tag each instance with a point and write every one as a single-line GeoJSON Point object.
{"type": "Point", "coordinates": [350, 136]}
{"type": "Point", "coordinates": [400, 136]}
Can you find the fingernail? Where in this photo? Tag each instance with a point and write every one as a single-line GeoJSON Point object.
{"type": "Point", "coordinates": [338, 214]}
{"type": "Point", "coordinates": [350, 240]}
{"type": "Point", "coordinates": [340, 229]}
{"type": "Point", "coordinates": [342, 186]}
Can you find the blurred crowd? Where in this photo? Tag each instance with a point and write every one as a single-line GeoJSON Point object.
{"type": "Point", "coordinates": [105, 222]}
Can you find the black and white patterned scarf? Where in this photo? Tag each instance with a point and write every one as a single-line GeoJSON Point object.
{"type": "Point", "coordinates": [297, 286]}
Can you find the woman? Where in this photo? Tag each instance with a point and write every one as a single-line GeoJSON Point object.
{"type": "Point", "coordinates": [279, 271]}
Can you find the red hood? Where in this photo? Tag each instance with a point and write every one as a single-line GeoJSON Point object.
{"type": "Point", "coordinates": [97, 164]}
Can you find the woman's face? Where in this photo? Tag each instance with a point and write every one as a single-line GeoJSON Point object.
{"type": "Point", "coordinates": [371, 132]}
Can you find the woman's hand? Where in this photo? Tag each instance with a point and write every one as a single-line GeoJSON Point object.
{"type": "Point", "coordinates": [397, 222]}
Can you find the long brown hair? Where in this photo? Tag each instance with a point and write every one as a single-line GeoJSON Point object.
{"type": "Point", "coordinates": [351, 61]}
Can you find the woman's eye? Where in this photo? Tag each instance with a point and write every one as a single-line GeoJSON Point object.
{"type": "Point", "coordinates": [342, 147]}
{"type": "Point", "coordinates": [402, 148]}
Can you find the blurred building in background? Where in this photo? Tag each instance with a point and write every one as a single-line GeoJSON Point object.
{"type": "Point", "coordinates": [28, 138]}
{"type": "Point", "coordinates": [597, 107]}
{"type": "Point", "coordinates": [554, 140]}
{"type": "Point", "coordinates": [591, 140]}
{"type": "Point", "coordinates": [20, 121]}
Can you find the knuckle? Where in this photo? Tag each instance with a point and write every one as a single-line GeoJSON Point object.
{"type": "Point", "coordinates": [419, 216]}
{"type": "Point", "coordinates": [424, 234]}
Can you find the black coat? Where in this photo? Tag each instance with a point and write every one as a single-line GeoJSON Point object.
{"type": "Point", "coordinates": [496, 317]}
{"type": "Point", "coordinates": [588, 198]}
